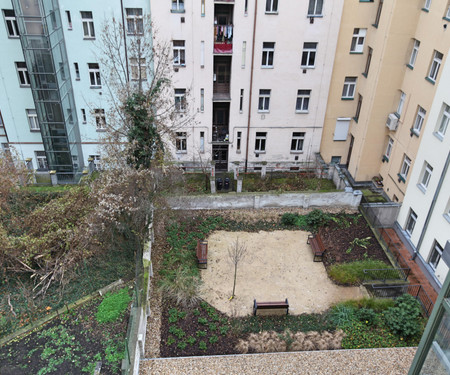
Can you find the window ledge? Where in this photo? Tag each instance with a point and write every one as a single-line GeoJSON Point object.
{"type": "Point", "coordinates": [302, 112]}
{"type": "Point", "coordinates": [307, 67]}
{"type": "Point", "coordinates": [410, 66]}
{"type": "Point", "coordinates": [13, 37]}
{"type": "Point", "coordinates": [314, 16]}
{"type": "Point", "coordinates": [177, 11]}
{"type": "Point", "coordinates": [101, 130]}
{"type": "Point", "coordinates": [414, 132]}
{"type": "Point", "coordinates": [447, 217]}
{"type": "Point", "coordinates": [77, 79]}
{"type": "Point", "coordinates": [438, 136]}
{"type": "Point", "coordinates": [356, 119]}
{"type": "Point", "coordinates": [401, 178]}
{"type": "Point", "coordinates": [397, 115]}
{"type": "Point", "coordinates": [181, 152]}
{"type": "Point", "coordinates": [35, 130]}
{"type": "Point", "coordinates": [422, 188]}
{"type": "Point", "coordinates": [25, 86]}
{"type": "Point", "coordinates": [364, 74]}
{"type": "Point", "coordinates": [446, 19]}
{"type": "Point", "coordinates": [266, 67]}
{"type": "Point", "coordinates": [426, 10]}
{"type": "Point", "coordinates": [385, 159]}
{"type": "Point", "coordinates": [95, 87]}
{"type": "Point", "coordinates": [272, 13]}
{"type": "Point", "coordinates": [344, 98]}
{"type": "Point", "coordinates": [89, 38]}
{"type": "Point", "coordinates": [366, 1]}
{"type": "Point", "coordinates": [296, 152]}
{"type": "Point", "coordinates": [432, 81]}
{"type": "Point", "coordinates": [263, 112]}
{"type": "Point", "coordinates": [179, 65]}
{"type": "Point", "coordinates": [375, 25]}
{"type": "Point", "coordinates": [259, 152]}
{"type": "Point", "coordinates": [356, 53]}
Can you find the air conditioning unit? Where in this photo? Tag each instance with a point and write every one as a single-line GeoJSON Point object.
{"type": "Point", "coordinates": [392, 122]}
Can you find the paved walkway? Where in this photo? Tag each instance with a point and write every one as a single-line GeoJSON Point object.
{"type": "Point", "coordinates": [386, 361]}
{"type": "Point", "coordinates": [416, 275]}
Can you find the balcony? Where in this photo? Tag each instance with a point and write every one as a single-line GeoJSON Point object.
{"type": "Point", "coordinates": [222, 75]}
{"type": "Point", "coordinates": [223, 39]}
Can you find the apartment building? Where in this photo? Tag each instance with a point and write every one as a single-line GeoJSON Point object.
{"type": "Point", "coordinates": [256, 75]}
{"type": "Point", "coordinates": [386, 72]}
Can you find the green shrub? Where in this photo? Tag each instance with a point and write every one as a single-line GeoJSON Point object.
{"type": "Point", "coordinates": [404, 318]}
{"type": "Point", "coordinates": [182, 345]}
{"type": "Point", "coordinates": [367, 316]}
{"type": "Point", "coordinates": [224, 330]}
{"type": "Point", "coordinates": [212, 326]}
{"type": "Point", "coordinates": [316, 218]}
{"type": "Point", "coordinates": [289, 219]}
{"type": "Point", "coordinates": [191, 340]}
{"type": "Point", "coordinates": [352, 273]}
{"type": "Point", "coordinates": [202, 345]}
{"type": "Point", "coordinates": [196, 312]}
{"type": "Point", "coordinates": [113, 306]}
{"type": "Point", "coordinates": [202, 321]}
{"type": "Point", "coordinates": [171, 340]}
{"type": "Point", "coordinates": [213, 339]}
{"type": "Point", "coordinates": [376, 304]}
{"type": "Point", "coordinates": [201, 333]}
{"type": "Point", "coordinates": [342, 315]}
{"type": "Point", "coordinates": [359, 335]}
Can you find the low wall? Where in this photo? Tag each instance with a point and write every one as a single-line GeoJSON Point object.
{"type": "Point", "coordinates": [249, 200]}
{"type": "Point", "coordinates": [382, 214]}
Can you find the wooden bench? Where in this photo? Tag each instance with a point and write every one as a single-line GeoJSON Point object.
{"type": "Point", "coordinates": [271, 308]}
{"type": "Point", "coordinates": [202, 253]}
{"type": "Point", "coordinates": [317, 246]}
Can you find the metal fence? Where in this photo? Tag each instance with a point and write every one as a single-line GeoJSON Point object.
{"type": "Point", "coordinates": [394, 291]}
{"type": "Point", "coordinates": [386, 274]}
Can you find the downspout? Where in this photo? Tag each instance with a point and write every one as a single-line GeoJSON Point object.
{"type": "Point", "coordinates": [125, 40]}
{"type": "Point", "coordinates": [251, 86]}
{"type": "Point", "coordinates": [433, 204]}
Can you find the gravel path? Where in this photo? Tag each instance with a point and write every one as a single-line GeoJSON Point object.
{"type": "Point", "coordinates": [386, 361]}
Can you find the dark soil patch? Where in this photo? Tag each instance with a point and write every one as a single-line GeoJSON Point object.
{"type": "Point", "coordinates": [338, 235]}
{"type": "Point", "coordinates": [69, 344]}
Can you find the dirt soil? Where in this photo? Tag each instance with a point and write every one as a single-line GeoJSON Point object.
{"type": "Point", "coordinates": [278, 265]}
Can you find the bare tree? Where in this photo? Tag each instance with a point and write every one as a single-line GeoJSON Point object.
{"type": "Point", "coordinates": [236, 253]}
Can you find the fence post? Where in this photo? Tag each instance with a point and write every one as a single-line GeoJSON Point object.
{"type": "Point", "coordinates": [418, 290]}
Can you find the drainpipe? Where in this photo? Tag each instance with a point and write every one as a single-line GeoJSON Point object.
{"type": "Point", "coordinates": [433, 204]}
{"type": "Point", "coordinates": [125, 40]}
{"type": "Point", "coordinates": [251, 86]}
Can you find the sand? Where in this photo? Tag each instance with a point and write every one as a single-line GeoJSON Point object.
{"type": "Point", "coordinates": [278, 265]}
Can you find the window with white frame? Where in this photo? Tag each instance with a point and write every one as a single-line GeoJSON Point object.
{"type": "Point", "coordinates": [435, 255]}
{"type": "Point", "coordinates": [298, 138]}
{"type": "Point", "coordinates": [401, 103]}
{"type": "Point", "coordinates": [414, 53]}
{"type": "Point", "coordinates": [418, 122]}
{"type": "Point", "coordinates": [238, 142]}
{"type": "Point", "coordinates": [443, 123]}
{"type": "Point", "coordinates": [309, 55]}
{"type": "Point", "coordinates": [88, 25]}
{"type": "Point", "coordinates": [178, 5]}
{"type": "Point", "coordinates": [435, 65]}
{"type": "Point", "coordinates": [359, 36]}
{"type": "Point", "coordinates": [41, 161]}
{"type": "Point", "coordinates": [264, 101]}
{"type": "Point", "coordinates": [94, 75]}
{"type": "Point", "coordinates": [22, 71]}
{"type": "Point", "coordinates": [315, 8]}
{"type": "Point", "coordinates": [179, 53]}
{"type": "Point", "coordinates": [32, 119]}
{"type": "Point", "coordinates": [69, 20]}
{"type": "Point", "coordinates": [447, 13]}
{"type": "Point", "coordinates": [267, 54]}
{"type": "Point", "coordinates": [341, 129]}
{"type": "Point", "coordinates": [260, 141]}
{"type": "Point", "coordinates": [181, 141]}
{"type": "Point", "coordinates": [378, 15]}
{"type": "Point", "coordinates": [180, 100]}
{"type": "Point", "coordinates": [411, 222]}
{"type": "Point", "coordinates": [135, 21]}
{"type": "Point", "coordinates": [302, 103]}
{"type": "Point", "coordinates": [271, 6]}
{"type": "Point", "coordinates": [348, 91]}
{"type": "Point", "coordinates": [426, 176]}
{"type": "Point", "coordinates": [95, 159]}
{"type": "Point", "coordinates": [138, 69]}
{"type": "Point", "coordinates": [427, 4]}
{"type": "Point", "coordinates": [368, 61]}
{"type": "Point", "coordinates": [406, 165]}
{"type": "Point", "coordinates": [389, 148]}
{"type": "Point", "coordinates": [100, 119]}
{"type": "Point", "coordinates": [11, 23]}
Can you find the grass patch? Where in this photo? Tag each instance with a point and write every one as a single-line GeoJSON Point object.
{"type": "Point", "coordinates": [376, 304]}
{"type": "Point", "coordinates": [113, 306]}
{"type": "Point", "coordinates": [352, 273]}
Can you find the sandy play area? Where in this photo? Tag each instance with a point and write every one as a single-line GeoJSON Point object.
{"type": "Point", "coordinates": [278, 265]}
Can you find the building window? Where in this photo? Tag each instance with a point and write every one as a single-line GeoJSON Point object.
{"type": "Point", "coordinates": [135, 21]}
{"type": "Point", "coordinates": [94, 75]}
{"type": "Point", "coordinates": [271, 6]}
{"type": "Point", "coordinates": [83, 115]}
{"type": "Point", "coordinates": [335, 160]}
{"type": "Point", "coordinates": [264, 101]}
{"type": "Point", "coordinates": [202, 142]}
{"type": "Point", "coordinates": [302, 103]}
{"type": "Point", "coordinates": [369, 59]}
{"type": "Point", "coordinates": [244, 52]}
{"type": "Point", "coordinates": [414, 53]}
{"type": "Point", "coordinates": [202, 54]}
{"type": "Point", "coordinates": [245, 7]}
{"type": "Point", "coordinates": [406, 165]}
{"type": "Point", "coordinates": [426, 5]}
{"type": "Point", "coordinates": [435, 255]}
{"type": "Point", "coordinates": [202, 100]}
{"type": "Point", "coordinates": [420, 117]}
{"type": "Point", "coordinates": [179, 53]}
{"type": "Point", "coordinates": [95, 159]}
{"type": "Point", "coordinates": [443, 124]}
{"type": "Point", "coordinates": [238, 142]}
{"type": "Point", "coordinates": [241, 101]}
{"type": "Point", "coordinates": [378, 16]}
{"type": "Point", "coordinates": [138, 69]}
{"type": "Point", "coordinates": [411, 222]}
{"type": "Point", "coordinates": [389, 147]}
{"type": "Point", "coordinates": [178, 5]}
{"type": "Point", "coordinates": [309, 55]}
{"type": "Point", "coordinates": [88, 25]}
{"type": "Point", "coordinates": [315, 8]}
{"type": "Point", "coordinates": [22, 71]}
{"type": "Point", "coordinates": [359, 36]}
{"type": "Point", "coordinates": [447, 13]}
{"type": "Point", "coordinates": [267, 54]}
{"type": "Point", "coordinates": [435, 65]}
{"type": "Point", "coordinates": [203, 8]}
{"type": "Point", "coordinates": [181, 142]}
{"type": "Point", "coordinates": [401, 103]}
{"type": "Point", "coordinates": [32, 119]}
{"type": "Point", "coordinates": [426, 176]}
{"type": "Point", "coordinates": [348, 91]}
{"type": "Point", "coordinates": [358, 107]}
{"type": "Point", "coordinates": [100, 119]}
{"type": "Point", "coordinates": [11, 23]}
{"type": "Point", "coordinates": [77, 71]}
{"type": "Point", "coordinates": [260, 142]}
{"type": "Point", "coordinates": [41, 160]}
{"type": "Point", "coordinates": [180, 100]}
{"type": "Point", "coordinates": [69, 116]}
{"type": "Point", "coordinates": [69, 20]}
{"type": "Point", "coordinates": [297, 142]}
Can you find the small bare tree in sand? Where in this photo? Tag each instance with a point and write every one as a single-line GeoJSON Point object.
{"type": "Point", "coordinates": [236, 252]}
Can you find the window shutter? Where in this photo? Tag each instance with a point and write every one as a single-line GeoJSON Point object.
{"type": "Point", "coordinates": [341, 130]}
